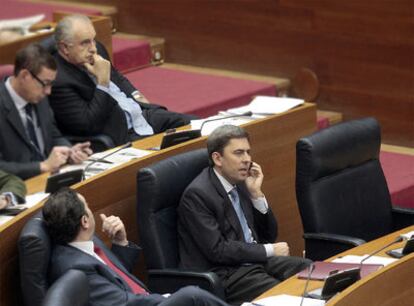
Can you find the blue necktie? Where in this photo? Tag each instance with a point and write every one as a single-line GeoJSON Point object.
{"type": "Point", "coordinates": [37, 155]}
{"type": "Point", "coordinates": [240, 214]}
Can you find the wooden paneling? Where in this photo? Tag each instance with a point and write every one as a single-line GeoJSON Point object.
{"type": "Point", "coordinates": [362, 51]}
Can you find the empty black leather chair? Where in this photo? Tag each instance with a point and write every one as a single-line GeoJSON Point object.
{"type": "Point", "coordinates": [159, 189]}
{"type": "Point", "coordinates": [71, 289]}
{"type": "Point", "coordinates": [341, 190]}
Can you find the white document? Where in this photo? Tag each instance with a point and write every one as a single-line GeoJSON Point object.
{"type": "Point", "coordinates": [33, 199]}
{"type": "Point", "coordinates": [209, 127]}
{"type": "Point", "coordinates": [285, 300]}
{"type": "Point", "coordinates": [120, 157]}
{"type": "Point", "coordinates": [264, 105]}
{"type": "Point", "coordinates": [407, 235]}
{"type": "Point", "coordinates": [375, 260]}
{"type": "Point", "coordinates": [21, 23]}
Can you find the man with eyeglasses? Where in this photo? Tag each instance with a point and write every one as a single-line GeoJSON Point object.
{"type": "Point", "coordinates": [91, 97]}
{"type": "Point", "coordinates": [30, 142]}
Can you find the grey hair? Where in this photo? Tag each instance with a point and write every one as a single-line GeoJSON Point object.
{"type": "Point", "coordinates": [221, 136]}
{"type": "Point", "coordinates": [63, 31]}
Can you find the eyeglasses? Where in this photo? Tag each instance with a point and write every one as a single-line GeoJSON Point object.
{"type": "Point", "coordinates": [44, 84]}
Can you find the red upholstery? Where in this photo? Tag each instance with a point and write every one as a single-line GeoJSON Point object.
{"type": "Point", "coordinates": [195, 93]}
{"type": "Point", "coordinates": [5, 70]}
{"type": "Point", "coordinates": [20, 9]}
{"type": "Point", "coordinates": [130, 53]}
{"type": "Point", "coordinates": [399, 173]}
{"type": "Point", "coordinates": [322, 122]}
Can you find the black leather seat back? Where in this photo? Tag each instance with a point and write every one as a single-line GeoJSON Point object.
{"type": "Point", "coordinates": [340, 185]}
{"type": "Point", "coordinates": [159, 190]}
{"type": "Point", "coordinates": [71, 289]}
{"type": "Point", "coordinates": [34, 255]}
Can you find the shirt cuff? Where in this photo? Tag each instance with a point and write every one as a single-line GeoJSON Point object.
{"type": "Point", "coordinates": [270, 251]}
{"type": "Point", "coordinates": [261, 204]}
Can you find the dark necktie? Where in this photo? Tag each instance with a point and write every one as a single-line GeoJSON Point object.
{"type": "Point", "coordinates": [135, 287]}
{"type": "Point", "coordinates": [32, 133]}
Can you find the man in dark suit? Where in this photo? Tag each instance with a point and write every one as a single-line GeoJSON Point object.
{"type": "Point", "coordinates": [30, 142]}
{"type": "Point", "coordinates": [91, 97]}
{"type": "Point", "coordinates": [226, 226]}
{"type": "Point", "coordinates": [12, 190]}
{"type": "Point", "coordinates": [71, 226]}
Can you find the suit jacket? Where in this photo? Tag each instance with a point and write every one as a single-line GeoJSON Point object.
{"type": "Point", "coordinates": [16, 152]}
{"type": "Point", "coordinates": [210, 234]}
{"type": "Point", "coordinates": [83, 110]}
{"type": "Point", "coordinates": [11, 183]}
{"type": "Point", "coordinates": [106, 288]}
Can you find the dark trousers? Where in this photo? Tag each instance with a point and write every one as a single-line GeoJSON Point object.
{"type": "Point", "coordinates": [248, 282]}
{"type": "Point", "coordinates": [192, 296]}
{"type": "Point", "coordinates": [161, 120]}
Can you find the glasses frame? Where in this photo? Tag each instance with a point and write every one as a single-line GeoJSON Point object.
{"type": "Point", "coordinates": [41, 82]}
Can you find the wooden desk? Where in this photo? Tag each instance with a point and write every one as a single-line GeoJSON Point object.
{"type": "Point", "coordinates": [273, 143]}
{"type": "Point", "coordinates": [392, 285]}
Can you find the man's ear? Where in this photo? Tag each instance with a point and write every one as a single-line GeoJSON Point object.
{"type": "Point", "coordinates": [85, 222]}
{"type": "Point", "coordinates": [216, 157]}
{"type": "Point", "coordinates": [63, 47]}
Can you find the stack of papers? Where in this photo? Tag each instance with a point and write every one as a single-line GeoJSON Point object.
{"type": "Point", "coordinates": [375, 260]}
{"type": "Point", "coordinates": [102, 163]}
{"type": "Point", "coordinates": [264, 105]}
{"type": "Point", "coordinates": [285, 300]}
{"type": "Point", "coordinates": [209, 127]}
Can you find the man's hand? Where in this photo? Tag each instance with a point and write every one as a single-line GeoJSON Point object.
{"type": "Point", "coordinates": [101, 69]}
{"type": "Point", "coordinates": [56, 159]}
{"type": "Point", "coordinates": [281, 249]}
{"type": "Point", "coordinates": [115, 229]}
{"type": "Point", "coordinates": [80, 152]}
{"type": "Point", "coordinates": [3, 201]}
{"type": "Point", "coordinates": [254, 181]}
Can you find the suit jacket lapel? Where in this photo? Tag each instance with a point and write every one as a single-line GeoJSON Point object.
{"type": "Point", "coordinates": [229, 211]}
{"type": "Point", "coordinates": [13, 116]}
{"type": "Point", "coordinates": [118, 264]}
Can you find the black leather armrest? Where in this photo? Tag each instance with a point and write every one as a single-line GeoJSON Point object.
{"type": "Point", "coordinates": [402, 217]}
{"type": "Point", "coordinates": [320, 246]}
{"type": "Point", "coordinates": [170, 280]}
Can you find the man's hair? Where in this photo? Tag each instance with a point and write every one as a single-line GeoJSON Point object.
{"type": "Point", "coordinates": [62, 213]}
{"type": "Point", "coordinates": [221, 136]}
{"type": "Point", "coordinates": [64, 28]}
{"type": "Point", "coordinates": [33, 58]}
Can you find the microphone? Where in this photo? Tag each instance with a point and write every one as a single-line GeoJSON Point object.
{"type": "Point", "coordinates": [102, 159]}
{"type": "Point", "coordinates": [396, 240]}
{"type": "Point", "coordinates": [311, 269]}
{"type": "Point", "coordinates": [245, 114]}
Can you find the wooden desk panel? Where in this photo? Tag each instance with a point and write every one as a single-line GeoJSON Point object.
{"type": "Point", "coordinates": [273, 143]}
{"type": "Point", "coordinates": [390, 286]}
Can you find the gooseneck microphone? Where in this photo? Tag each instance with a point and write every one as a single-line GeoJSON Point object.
{"type": "Point", "coordinates": [102, 159]}
{"type": "Point", "coordinates": [305, 289]}
{"type": "Point", "coordinates": [396, 240]}
{"type": "Point", "coordinates": [246, 114]}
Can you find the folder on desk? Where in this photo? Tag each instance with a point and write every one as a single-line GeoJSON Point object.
{"type": "Point", "coordinates": [324, 269]}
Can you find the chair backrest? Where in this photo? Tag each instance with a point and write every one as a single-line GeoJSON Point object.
{"type": "Point", "coordinates": [71, 289]}
{"type": "Point", "coordinates": [159, 190]}
{"type": "Point", "coordinates": [340, 186]}
{"type": "Point", "coordinates": [34, 255]}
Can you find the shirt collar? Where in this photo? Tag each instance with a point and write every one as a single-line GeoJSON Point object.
{"type": "Point", "coordinates": [18, 100]}
{"type": "Point", "coordinates": [226, 184]}
{"type": "Point", "coordinates": [85, 246]}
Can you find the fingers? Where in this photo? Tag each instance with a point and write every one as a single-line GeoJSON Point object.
{"type": "Point", "coordinates": [111, 225]}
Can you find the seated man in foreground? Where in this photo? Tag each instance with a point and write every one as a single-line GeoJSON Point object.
{"type": "Point", "coordinates": [30, 142]}
{"type": "Point", "coordinates": [71, 226]}
{"type": "Point", "coordinates": [226, 226]}
{"type": "Point", "coordinates": [12, 190]}
{"type": "Point", "coordinates": [90, 97]}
